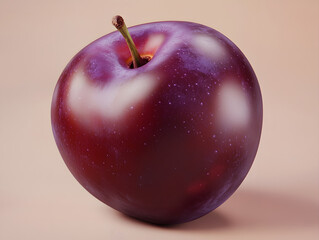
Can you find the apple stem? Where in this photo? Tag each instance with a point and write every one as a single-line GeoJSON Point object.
{"type": "Point", "coordinates": [119, 23]}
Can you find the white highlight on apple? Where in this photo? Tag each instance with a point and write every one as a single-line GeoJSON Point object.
{"type": "Point", "coordinates": [154, 42]}
{"type": "Point", "coordinates": [88, 101]}
{"type": "Point", "coordinates": [209, 46]}
{"type": "Point", "coordinates": [233, 105]}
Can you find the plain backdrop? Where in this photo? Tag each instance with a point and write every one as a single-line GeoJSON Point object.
{"type": "Point", "coordinates": [40, 199]}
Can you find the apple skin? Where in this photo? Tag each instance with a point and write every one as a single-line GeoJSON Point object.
{"type": "Point", "coordinates": [167, 142]}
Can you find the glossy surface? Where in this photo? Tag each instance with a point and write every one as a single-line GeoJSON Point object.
{"type": "Point", "coordinates": [167, 142]}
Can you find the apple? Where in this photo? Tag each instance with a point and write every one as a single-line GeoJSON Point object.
{"type": "Point", "coordinates": [163, 130]}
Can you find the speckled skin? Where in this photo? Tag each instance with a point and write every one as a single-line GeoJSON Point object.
{"type": "Point", "coordinates": [169, 157]}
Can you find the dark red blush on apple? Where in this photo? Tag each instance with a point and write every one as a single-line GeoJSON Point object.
{"type": "Point", "coordinates": [166, 142]}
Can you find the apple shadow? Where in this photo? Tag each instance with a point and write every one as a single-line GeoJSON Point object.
{"type": "Point", "coordinates": [255, 209]}
{"type": "Point", "coordinates": [271, 210]}
{"type": "Point", "coordinates": [213, 220]}
{"type": "Point", "coordinates": [252, 209]}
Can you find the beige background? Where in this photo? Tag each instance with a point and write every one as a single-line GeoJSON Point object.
{"type": "Point", "coordinates": [39, 199]}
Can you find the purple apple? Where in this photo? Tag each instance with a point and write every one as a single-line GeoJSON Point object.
{"type": "Point", "coordinates": [166, 140]}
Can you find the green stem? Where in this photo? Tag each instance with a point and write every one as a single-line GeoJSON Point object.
{"type": "Point", "coordinates": [119, 23]}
